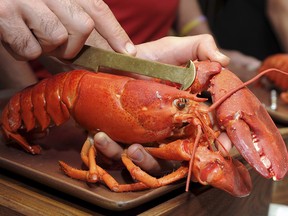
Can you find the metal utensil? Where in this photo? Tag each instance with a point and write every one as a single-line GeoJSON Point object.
{"type": "Point", "coordinates": [93, 58]}
{"type": "Point", "coordinates": [273, 97]}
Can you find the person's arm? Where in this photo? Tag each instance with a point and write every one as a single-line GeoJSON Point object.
{"type": "Point", "coordinates": [277, 11]}
{"type": "Point", "coordinates": [191, 20]}
{"type": "Point", "coordinates": [29, 28]}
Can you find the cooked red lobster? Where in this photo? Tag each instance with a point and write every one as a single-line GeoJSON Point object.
{"type": "Point", "coordinates": [279, 61]}
{"type": "Point", "coordinates": [144, 111]}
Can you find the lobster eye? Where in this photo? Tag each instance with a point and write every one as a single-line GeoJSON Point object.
{"type": "Point", "coordinates": [180, 103]}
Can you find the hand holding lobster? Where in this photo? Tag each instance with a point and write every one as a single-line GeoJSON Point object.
{"type": "Point", "coordinates": [137, 153]}
{"type": "Point", "coordinates": [200, 47]}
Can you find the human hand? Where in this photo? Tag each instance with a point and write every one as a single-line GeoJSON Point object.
{"type": "Point", "coordinates": [135, 152]}
{"type": "Point", "coordinates": [179, 50]}
{"type": "Point", "coordinates": [29, 28]}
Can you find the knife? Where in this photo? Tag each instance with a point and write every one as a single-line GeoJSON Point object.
{"type": "Point", "coordinates": [94, 58]}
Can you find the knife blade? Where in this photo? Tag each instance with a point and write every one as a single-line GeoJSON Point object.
{"type": "Point", "coordinates": [94, 58]}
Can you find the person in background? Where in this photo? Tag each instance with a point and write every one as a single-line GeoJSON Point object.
{"type": "Point", "coordinates": [277, 11]}
{"type": "Point", "coordinates": [254, 28]}
{"type": "Point", "coordinates": [179, 17]}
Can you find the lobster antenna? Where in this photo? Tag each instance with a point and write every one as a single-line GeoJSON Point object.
{"type": "Point", "coordinates": [199, 131]}
{"type": "Point", "coordinates": [223, 98]}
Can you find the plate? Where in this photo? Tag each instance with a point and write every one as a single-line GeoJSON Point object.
{"type": "Point", "coordinates": [61, 144]}
{"type": "Point", "coordinates": [280, 115]}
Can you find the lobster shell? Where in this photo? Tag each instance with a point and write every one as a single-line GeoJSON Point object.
{"type": "Point", "coordinates": [279, 61]}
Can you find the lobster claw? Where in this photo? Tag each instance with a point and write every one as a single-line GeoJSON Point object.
{"type": "Point", "coordinates": [260, 143]}
{"type": "Point", "coordinates": [250, 127]}
{"type": "Point", "coordinates": [229, 175]}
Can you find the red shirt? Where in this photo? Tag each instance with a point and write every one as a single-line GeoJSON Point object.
{"type": "Point", "coordinates": [145, 20]}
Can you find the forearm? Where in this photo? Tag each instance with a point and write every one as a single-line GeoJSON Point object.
{"type": "Point", "coordinates": [190, 13]}
{"type": "Point", "coordinates": [277, 11]}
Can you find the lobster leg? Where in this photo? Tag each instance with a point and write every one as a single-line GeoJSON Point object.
{"type": "Point", "coordinates": [103, 176]}
{"type": "Point", "coordinates": [115, 186]}
{"type": "Point", "coordinates": [20, 140]}
{"type": "Point", "coordinates": [96, 173]}
{"type": "Point", "coordinates": [145, 180]}
{"type": "Point", "coordinates": [209, 167]}
{"type": "Point", "coordinates": [75, 173]}
{"type": "Point", "coordinates": [149, 180]}
{"type": "Point", "coordinates": [88, 155]}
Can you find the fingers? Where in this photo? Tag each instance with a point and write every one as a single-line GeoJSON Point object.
{"type": "Point", "coordinates": [77, 23]}
{"type": "Point", "coordinates": [15, 35]}
{"type": "Point", "coordinates": [148, 163]}
{"type": "Point", "coordinates": [29, 28]}
{"type": "Point", "coordinates": [179, 50]}
{"type": "Point", "coordinates": [143, 159]}
{"type": "Point", "coordinates": [45, 26]}
{"type": "Point", "coordinates": [135, 152]}
{"type": "Point", "coordinates": [206, 49]}
{"type": "Point", "coordinates": [114, 34]}
{"type": "Point", "coordinates": [107, 146]}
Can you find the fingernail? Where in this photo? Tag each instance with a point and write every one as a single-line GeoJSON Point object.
{"type": "Point", "coordinates": [221, 55]}
{"type": "Point", "coordinates": [137, 155]}
{"type": "Point", "coordinates": [130, 49]}
{"type": "Point", "coordinates": [223, 59]}
{"type": "Point", "coordinates": [100, 140]}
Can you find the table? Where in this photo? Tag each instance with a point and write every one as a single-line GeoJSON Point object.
{"type": "Point", "coordinates": [19, 195]}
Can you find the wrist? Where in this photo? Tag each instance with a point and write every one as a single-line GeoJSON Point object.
{"type": "Point", "coordinates": [188, 27]}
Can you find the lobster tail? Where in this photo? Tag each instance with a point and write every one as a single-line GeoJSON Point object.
{"type": "Point", "coordinates": [57, 96]}
{"type": "Point", "coordinates": [37, 105]}
{"type": "Point", "coordinates": [40, 105]}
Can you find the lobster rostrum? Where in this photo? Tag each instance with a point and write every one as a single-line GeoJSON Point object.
{"type": "Point", "coordinates": [144, 111]}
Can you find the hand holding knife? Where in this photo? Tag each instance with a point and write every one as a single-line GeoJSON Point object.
{"type": "Point", "coordinates": [93, 58]}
